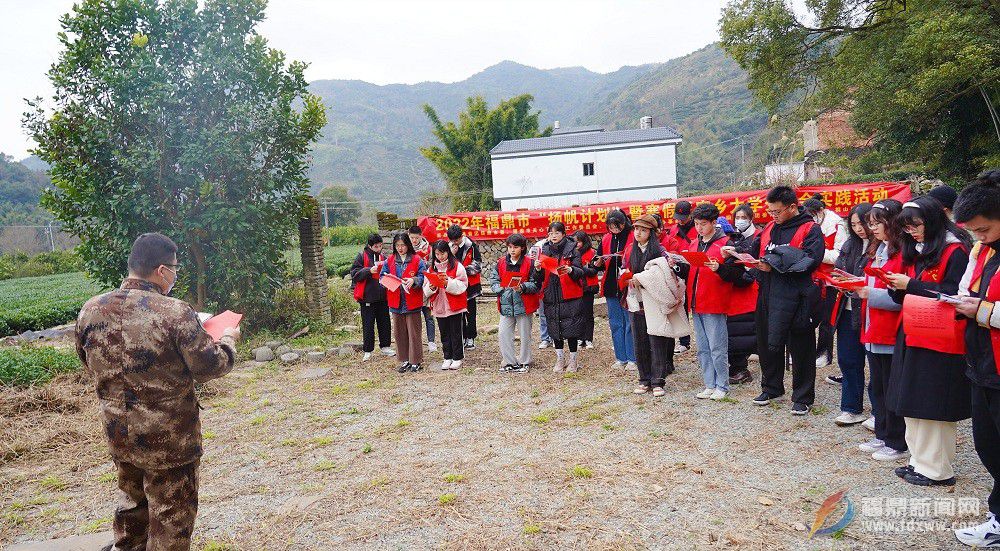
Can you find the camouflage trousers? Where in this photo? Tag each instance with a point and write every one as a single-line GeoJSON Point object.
{"type": "Point", "coordinates": [156, 508]}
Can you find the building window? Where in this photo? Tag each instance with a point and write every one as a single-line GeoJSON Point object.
{"type": "Point", "coordinates": [588, 169]}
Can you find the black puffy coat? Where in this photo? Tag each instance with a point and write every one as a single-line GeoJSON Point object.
{"type": "Point", "coordinates": [852, 259]}
{"type": "Point", "coordinates": [566, 318]}
{"type": "Point", "coordinates": [373, 291]}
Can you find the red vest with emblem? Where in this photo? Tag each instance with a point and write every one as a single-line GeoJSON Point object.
{"type": "Point", "coordinates": [990, 294]}
{"type": "Point", "coordinates": [467, 261]}
{"type": "Point", "coordinates": [606, 248]}
{"type": "Point", "coordinates": [455, 302]}
{"type": "Point", "coordinates": [955, 344]}
{"type": "Point", "coordinates": [797, 238]}
{"type": "Point", "coordinates": [744, 299]}
{"type": "Point", "coordinates": [879, 326]}
{"type": "Point", "coordinates": [415, 296]}
{"type": "Point", "coordinates": [709, 294]}
{"type": "Point", "coordinates": [359, 287]}
{"type": "Point", "coordinates": [530, 300]}
{"type": "Point", "coordinates": [571, 289]}
{"type": "Point", "coordinates": [591, 282]}
{"type": "Point", "coordinates": [681, 239]}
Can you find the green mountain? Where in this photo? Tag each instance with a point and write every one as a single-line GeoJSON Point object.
{"type": "Point", "coordinates": [371, 142]}
{"type": "Point", "coordinates": [20, 190]}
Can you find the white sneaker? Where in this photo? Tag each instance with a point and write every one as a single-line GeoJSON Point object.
{"type": "Point", "coordinates": [445, 365]}
{"type": "Point", "coordinates": [455, 364]}
{"type": "Point", "coordinates": [632, 366]}
{"type": "Point", "coordinates": [822, 361]}
{"type": "Point", "coordinates": [986, 534]}
{"type": "Point", "coordinates": [366, 357]}
{"type": "Point", "coordinates": [432, 346]}
{"type": "Point", "coordinates": [847, 418]}
{"type": "Point", "coordinates": [719, 394]}
{"type": "Point", "coordinates": [889, 454]}
{"type": "Point", "coordinates": [388, 351]}
{"type": "Point", "coordinates": [705, 394]}
{"type": "Point", "coordinates": [681, 349]}
{"type": "Point", "coordinates": [543, 344]}
{"type": "Point", "coordinates": [588, 344]}
{"type": "Point", "coordinates": [869, 424]}
{"type": "Point", "coordinates": [872, 446]}
{"type": "Point", "coordinates": [618, 366]}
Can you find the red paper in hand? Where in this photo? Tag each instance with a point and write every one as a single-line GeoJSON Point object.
{"type": "Point", "coordinates": [925, 317]}
{"type": "Point", "coordinates": [511, 281]}
{"type": "Point", "coordinates": [746, 259]}
{"type": "Point", "coordinates": [216, 325]}
{"type": "Point", "coordinates": [390, 282]}
{"type": "Point", "coordinates": [695, 258]}
{"type": "Point", "coordinates": [437, 279]}
{"type": "Point", "coordinates": [879, 274]}
{"type": "Point", "coordinates": [549, 264]}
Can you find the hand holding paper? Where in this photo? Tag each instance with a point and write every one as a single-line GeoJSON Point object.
{"type": "Point", "coordinates": [217, 326]}
{"type": "Point", "coordinates": [390, 282]}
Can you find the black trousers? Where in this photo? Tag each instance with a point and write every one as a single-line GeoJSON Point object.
{"type": "Point", "coordinates": [573, 344]}
{"type": "Point", "coordinates": [986, 433]}
{"type": "Point", "coordinates": [738, 363]}
{"type": "Point", "coordinates": [802, 347]}
{"type": "Point", "coordinates": [372, 314]}
{"type": "Point", "coordinates": [889, 427]}
{"type": "Point", "coordinates": [470, 320]}
{"type": "Point", "coordinates": [654, 355]}
{"type": "Point", "coordinates": [824, 342]}
{"type": "Point", "coordinates": [452, 345]}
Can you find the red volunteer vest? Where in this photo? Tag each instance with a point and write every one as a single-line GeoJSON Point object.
{"type": "Point", "coordinates": [606, 247]}
{"type": "Point", "coordinates": [592, 282]}
{"type": "Point", "coordinates": [530, 300]}
{"type": "Point", "coordinates": [797, 238]}
{"type": "Point", "coordinates": [712, 294]}
{"type": "Point", "coordinates": [570, 288]}
{"type": "Point", "coordinates": [954, 343]}
{"type": "Point", "coordinates": [881, 327]}
{"type": "Point", "coordinates": [455, 302]}
{"type": "Point", "coordinates": [359, 288]}
{"type": "Point", "coordinates": [467, 261]}
{"type": "Point", "coordinates": [744, 299]}
{"type": "Point", "coordinates": [415, 296]}
{"type": "Point", "coordinates": [990, 294]}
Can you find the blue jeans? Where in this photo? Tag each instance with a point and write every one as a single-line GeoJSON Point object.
{"type": "Point", "coordinates": [543, 326]}
{"type": "Point", "coordinates": [851, 359]}
{"type": "Point", "coordinates": [713, 349]}
{"type": "Point", "coordinates": [621, 331]}
{"type": "Point", "coordinates": [429, 323]}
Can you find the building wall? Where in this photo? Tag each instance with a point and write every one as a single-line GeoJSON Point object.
{"type": "Point", "coordinates": [538, 180]}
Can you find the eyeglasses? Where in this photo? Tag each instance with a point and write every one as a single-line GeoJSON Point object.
{"type": "Point", "coordinates": [774, 213]}
{"type": "Point", "coordinates": [172, 267]}
{"type": "Point", "coordinates": [910, 228]}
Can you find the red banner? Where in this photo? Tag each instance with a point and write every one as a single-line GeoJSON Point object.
{"type": "Point", "coordinates": [495, 225]}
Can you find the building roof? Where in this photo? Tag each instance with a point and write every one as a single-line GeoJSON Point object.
{"type": "Point", "coordinates": [586, 139]}
{"type": "Point", "coordinates": [576, 130]}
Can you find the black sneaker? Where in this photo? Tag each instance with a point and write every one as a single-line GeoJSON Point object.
{"type": "Point", "coordinates": [519, 368]}
{"type": "Point", "coordinates": [415, 368]}
{"type": "Point", "coordinates": [800, 409]}
{"type": "Point", "coordinates": [901, 472]}
{"type": "Point", "coordinates": [403, 367]}
{"type": "Point", "coordinates": [921, 480]}
{"type": "Point", "coordinates": [834, 380]}
{"type": "Point", "coordinates": [764, 399]}
{"type": "Point", "coordinates": [470, 344]}
{"type": "Point", "coordinates": [741, 377]}
{"type": "Point", "coordinates": [506, 368]}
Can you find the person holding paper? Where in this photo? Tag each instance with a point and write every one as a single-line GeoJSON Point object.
{"type": "Point", "coordinates": [789, 250]}
{"type": "Point", "coordinates": [928, 385]}
{"type": "Point", "coordinates": [423, 248]}
{"type": "Point", "coordinates": [403, 277]}
{"type": "Point", "coordinates": [515, 283]}
{"type": "Point", "coordinates": [834, 235]}
{"type": "Point", "coordinates": [544, 339]}
{"type": "Point", "coordinates": [740, 323]}
{"type": "Point", "coordinates": [371, 298]}
{"type": "Point", "coordinates": [448, 302]}
{"type": "Point", "coordinates": [614, 242]}
{"type": "Point", "coordinates": [978, 207]}
{"type": "Point", "coordinates": [680, 236]}
{"type": "Point", "coordinates": [709, 290]}
{"type": "Point", "coordinates": [467, 252]}
{"type": "Point", "coordinates": [590, 285]}
{"type": "Point", "coordinates": [878, 332]}
{"type": "Point", "coordinates": [145, 352]}
{"type": "Point", "coordinates": [563, 295]}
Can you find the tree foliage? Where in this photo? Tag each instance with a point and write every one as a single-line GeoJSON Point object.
{"type": "Point", "coordinates": [464, 159]}
{"type": "Point", "coordinates": [918, 75]}
{"type": "Point", "coordinates": [20, 190]}
{"type": "Point", "coordinates": [178, 119]}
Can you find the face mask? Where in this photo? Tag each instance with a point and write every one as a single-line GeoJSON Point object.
{"type": "Point", "coordinates": [168, 290]}
{"type": "Point", "coordinates": [742, 224]}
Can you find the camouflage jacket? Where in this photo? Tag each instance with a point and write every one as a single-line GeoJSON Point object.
{"type": "Point", "coordinates": [145, 352]}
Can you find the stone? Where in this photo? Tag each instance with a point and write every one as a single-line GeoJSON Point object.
{"type": "Point", "coordinates": [290, 358]}
{"type": "Point", "coordinates": [89, 542]}
{"type": "Point", "coordinates": [300, 351]}
{"type": "Point", "coordinates": [273, 344]}
{"type": "Point", "coordinates": [348, 328]}
{"type": "Point", "coordinates": [313, 357]}
{"type": "Point", "coordinates": [354, 345]}
{"type": "Point", "coordinates": [263, 354]}
{"type": "Point", "coordinates": [298, 504]}
{"type": "Point", "coordinates": [314, 373]}
{"type": "Point", "coordinates": [283, 349]}
{"type": "Point", "coordinates": [345, 351]}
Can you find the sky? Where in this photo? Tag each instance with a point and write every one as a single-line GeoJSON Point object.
{"type": "Point", "coordinates": [399, 41]}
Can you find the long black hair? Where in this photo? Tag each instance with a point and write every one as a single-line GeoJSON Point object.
{"type": "Point", "coordinates": [929, 211]}
{"type": "Point", "coordinates": [619, 218]}
{"type": "Point", "coordinates": [862, 210]}
{"type": "Point", "coordinates": [886, 212]}
{"type": "Point", "coordinates": [581, 237]}
{"type": "Point", "coordinates": [405, 238]}
{"type": "Point", "coordinates": [443, 246]}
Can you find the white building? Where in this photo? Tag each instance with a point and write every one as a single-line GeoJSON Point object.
{"type": "Point", "coordinates": [578, 166]}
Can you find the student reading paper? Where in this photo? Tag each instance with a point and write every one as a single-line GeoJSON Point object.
{"type": "Point", "coordinates": [516, 303]}
{"type": "Point", "coordinates": [404, 274]}
{"type": "Point", "coordinates": [446, 293]}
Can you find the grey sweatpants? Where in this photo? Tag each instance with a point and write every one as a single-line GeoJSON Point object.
{"type": "Point", "coordinates": [505, 334]}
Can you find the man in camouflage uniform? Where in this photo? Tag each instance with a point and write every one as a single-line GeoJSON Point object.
{"type": "Point", "coordinates": [146, 351]}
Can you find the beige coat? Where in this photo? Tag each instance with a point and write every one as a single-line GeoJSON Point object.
{"type": "Point", "coordinates": [662, 296]}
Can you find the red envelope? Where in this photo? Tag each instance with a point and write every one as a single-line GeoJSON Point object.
{"type": "Point", "coordinates": [926, 317]}
{"type": "Point", "coordinates": [216, 325]}
{"type": "Point", "coordinates": [390, 282]}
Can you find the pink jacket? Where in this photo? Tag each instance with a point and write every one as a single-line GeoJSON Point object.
{"type": "Point", "coordinates": [439, 304]}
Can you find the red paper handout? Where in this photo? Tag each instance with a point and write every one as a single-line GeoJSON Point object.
{"type": "Point", "coordinates": [216, 325]}
{"type": "Point", "coordinates": [745, 259]}
{"type": "Point", "coordinates": [511, 281]}
{"type": "Point", "coordinates": [879, 274]}
{"type": "Point", "coordinates": [390, 282]}
{"type": "Point", "coordinates": [549, 264]}
{"type": "Point", "coordinates": [695, 258]}
{"type": "Point", "coordinates": [925, 317]}
{"type": "Point", "coordinates": [437, 279]}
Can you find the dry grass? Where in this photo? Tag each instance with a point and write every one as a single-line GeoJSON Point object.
{"type": "Point", "coordinates": [367, 458]}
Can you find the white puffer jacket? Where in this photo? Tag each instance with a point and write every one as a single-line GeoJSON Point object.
{"type": "Point", "coordinates": [662, 297]}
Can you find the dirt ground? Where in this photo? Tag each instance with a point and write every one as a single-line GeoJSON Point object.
{"type": "Point", "coordinates": [365, 458]}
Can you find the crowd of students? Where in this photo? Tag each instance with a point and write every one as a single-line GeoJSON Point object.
{"type": "Point", "coordinates": [773, 291]}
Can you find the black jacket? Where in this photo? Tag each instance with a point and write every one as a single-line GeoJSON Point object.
{"type": "Point", "coordinates": [979, 348]}
{"type": "Point", "coordinates": [373, 291]}
{"type": "Point", "coordinates": [565, 318]}
{"type": "Point", "coordinates": [852, 259]}
{"type": "Point", "coordinates": [474, 268]}
{"type": "Point", "coordinates": [612, 266]}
